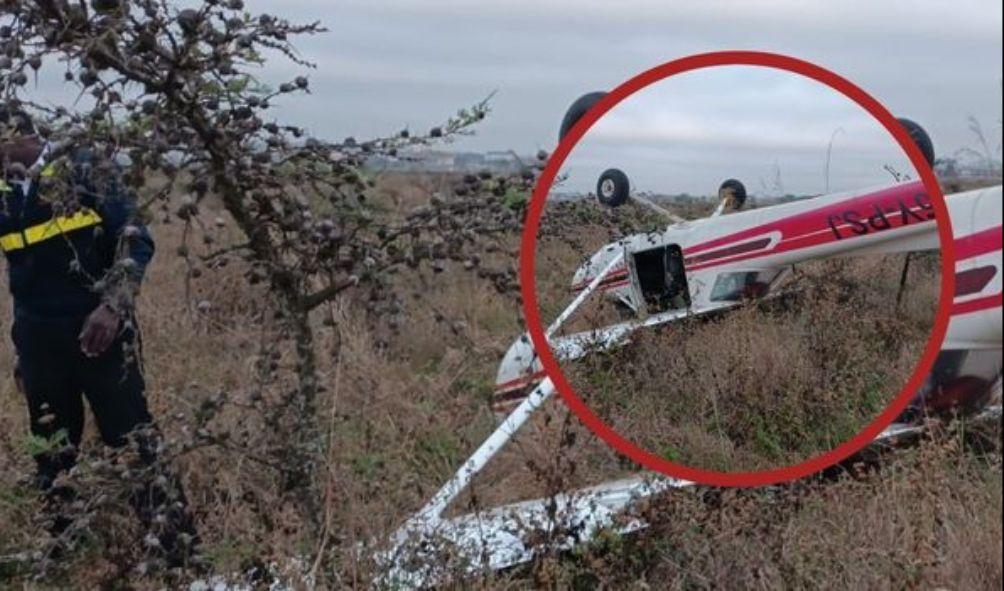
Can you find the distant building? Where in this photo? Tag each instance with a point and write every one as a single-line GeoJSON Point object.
{"type": "Point", "coordinates": [496, 161]}
{"type": "Point", "coordinates": [499, 161]}
{"type": "Point", "coordinates": [469, 162]}
{"type": "Point", "coordinates": [438, 161]}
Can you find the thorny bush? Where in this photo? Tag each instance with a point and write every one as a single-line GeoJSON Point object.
{"type": "Point", "coordinates": [169, 105]}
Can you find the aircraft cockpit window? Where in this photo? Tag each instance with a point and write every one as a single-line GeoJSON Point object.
{"type": "Point", "coordinates": [742, 285]}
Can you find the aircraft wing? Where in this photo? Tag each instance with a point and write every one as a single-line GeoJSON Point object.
{"type": "Point", "coordinates": [503, 537]}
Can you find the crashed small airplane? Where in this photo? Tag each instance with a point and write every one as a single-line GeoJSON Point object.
{"type": "Point", "coordinates": [694, 268]}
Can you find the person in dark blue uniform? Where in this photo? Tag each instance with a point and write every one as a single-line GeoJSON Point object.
{"type": "Point", "coordinates": [75, 263]}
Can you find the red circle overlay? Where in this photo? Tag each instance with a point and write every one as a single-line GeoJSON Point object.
{"type": "Point", "coordinates": [528, 269]}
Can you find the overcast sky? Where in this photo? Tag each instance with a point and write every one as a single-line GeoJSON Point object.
{"type": "Point", "coordinates": [386, 64]}
{"type": "Point", "coordinates": [390, 63]}
{"type": "Point", "coordinates": [768, 128]}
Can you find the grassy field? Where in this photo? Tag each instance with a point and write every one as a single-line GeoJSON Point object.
{"type": "Point", "coordinates": [404, 405]}
{"type": "Point", "coordinates": [773, 384]}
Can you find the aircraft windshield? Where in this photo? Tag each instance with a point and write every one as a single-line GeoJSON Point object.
{"type": "Point", "coordinates": [741, 285]}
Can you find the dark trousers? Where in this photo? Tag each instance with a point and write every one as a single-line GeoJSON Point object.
{"type": "Point", "coordinates": [56, 377]}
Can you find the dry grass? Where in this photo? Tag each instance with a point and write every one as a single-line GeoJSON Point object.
{"type": "Point", "coordinates": [775, 383]}
{"type": "Point", "coordinates": [403, 408]}
{"type": "Point", "coordinates": [930, 518]}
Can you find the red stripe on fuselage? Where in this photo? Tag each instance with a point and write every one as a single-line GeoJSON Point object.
{"type": "Point", "coordinates": [815, 221]}
{"type": "Point", "coordinates": [977, 305]}
{"type": "Point", "coordinates": [620, 283]}
{"type": "Point", "coordinates": [891, 208]}
{"type": "Point", "coordinates": [728, 251]}
{"type": "Point", "coordinates": [615, 276]}
{"type": "Point", "coordinates": [886, 209]}
{"type": "Point", "coordinates": [979, 243]}
{"type": "Point", "coordinates": [519, 382]}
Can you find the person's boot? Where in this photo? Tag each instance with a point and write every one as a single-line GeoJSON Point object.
{"type": "Point", "coordinates": [56, 498]}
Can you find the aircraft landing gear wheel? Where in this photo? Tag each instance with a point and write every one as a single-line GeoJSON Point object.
{"type": "Point", "coordinates": [919, 137]}
{"type": "Point", "coordinates": [737, 191]}
{"type": "Point", "coordinates": [577, 110]}
{"type": "Point", "coordinates": [613, 188]}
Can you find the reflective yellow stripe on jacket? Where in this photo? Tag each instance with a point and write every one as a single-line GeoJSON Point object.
{"type": "Point", "coordinates": [50, 229]}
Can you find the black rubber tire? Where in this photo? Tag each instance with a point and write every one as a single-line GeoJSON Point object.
{"type": "Point", "coordinates": [613, 188]}
{"type": "Point", "coordinates": [739, 190]}
{"type": "Point", "coordinates": [577, 110]}
{"type": "Point", "coordinates": [919, 137]}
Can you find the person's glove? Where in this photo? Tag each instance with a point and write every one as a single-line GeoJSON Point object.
{"type": "Point", "coordinates": [100, 330]}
